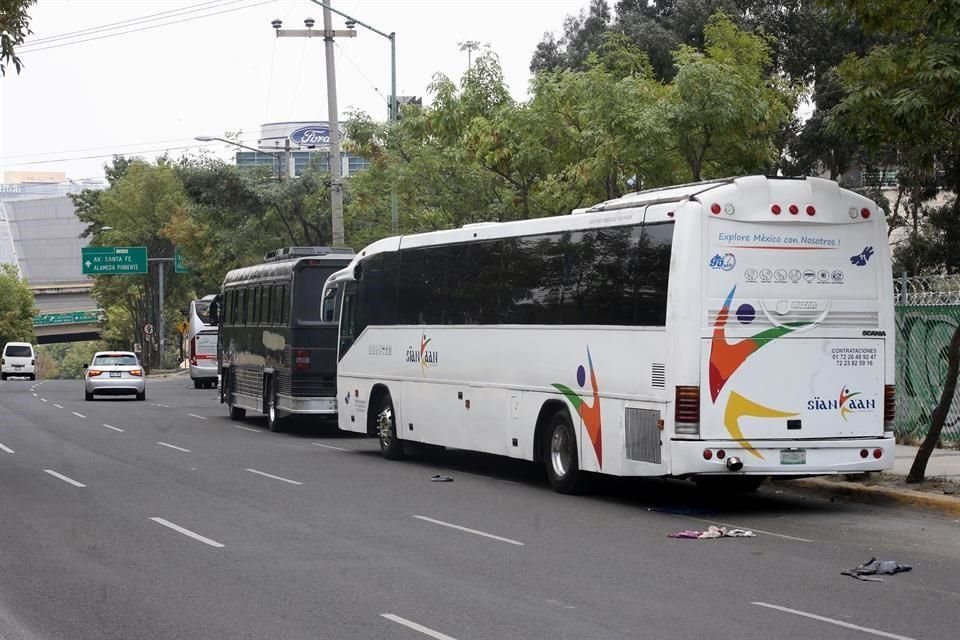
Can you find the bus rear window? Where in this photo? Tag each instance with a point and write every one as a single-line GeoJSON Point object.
{"type": "Point", "coordinates": [308, 303]}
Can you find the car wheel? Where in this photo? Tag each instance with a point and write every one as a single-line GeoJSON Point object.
{"type": "Point", "coordinates": [142, 395]}
{"type": "Point", "coordinates": [274, 421]}
{"type": "Point", "coordinates": [197, 384]}
{"type": "Point", "coordinates": [390, 445]}
{"type": "Point", "coordinates": [560, 455]}
{"type": "Point", "coordinates": [3, 376]}
{"type": "Point", "coordinates": [87, 396]}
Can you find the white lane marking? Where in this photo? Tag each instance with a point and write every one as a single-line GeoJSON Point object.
{"type": "Point", "coordinates": [64, 478]}
{"type": "Point", "coordinates": [57, 406]}
{"type": "Point", "coordinates": [43, 399]}
{"type": "Point", "coordinates": [736, 526]}
{"type": "Point", "coordinates": [473, 531]}
{"type": "Point", "coordinates": [330, 446]}
{"type": "Point", "coordinates": [35, 395]}
{"type": "Point", "coordinates": [270, 475]}
{"type": "Point", "coordinates": [112, 427]}
{"type": "Point", "coordinates": [79, 415]}
{"type": "Point", "coordinates": [410, 624]}
{"type": "Point", "coordinates": [5, 448]}
{"type": "Point", "coordinates": [173, 446]}
{"type": "Point", "coordinates": [187, 532]}
{"type": "Point", "coordinates": [839, 623]}
{"type": "Point", "coordinates": [240, 426]}
{"type": "Point", "coordinates": [193, 415]}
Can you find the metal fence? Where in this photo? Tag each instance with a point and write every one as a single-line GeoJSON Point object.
{"type": "Point", "coordinates": [927, 313]}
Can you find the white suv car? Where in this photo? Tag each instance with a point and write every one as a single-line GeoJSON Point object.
{"type": "Point", "coordinates": [18, 360]}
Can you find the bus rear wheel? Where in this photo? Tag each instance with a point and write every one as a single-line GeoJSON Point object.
{"type": "Point", "coordinates": [559, 454]}
{"type": "Point", "coordinates": [274, 421]}
{"type": "Point", "coordinates": [390, 445]}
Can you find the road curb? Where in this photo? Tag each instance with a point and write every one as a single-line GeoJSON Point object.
{"type": "Point", "coordinates": [168, 373]}
{"type": "Point", "coordinates": [949, 505]}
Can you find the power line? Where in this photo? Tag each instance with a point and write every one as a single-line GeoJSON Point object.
{"type": "Point", "coordinates": [362, 75]}
{"type": "Point", "coordinates": [111, 155]}
{"type": "Point", "coordinates": [130, 22]}
{"type": "Point", "coordinates": [145, 28]}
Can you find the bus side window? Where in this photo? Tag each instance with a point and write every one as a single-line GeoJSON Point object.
{"type": "Point", "coordinates": [347, 318]}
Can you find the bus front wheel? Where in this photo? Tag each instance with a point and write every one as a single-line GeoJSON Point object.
{"type": "Point", "coordinates": [390, 445]}
{"type": "Point", "coordinates": [236, 413]}
{"type": "Point", "coordinates": [560, 455]}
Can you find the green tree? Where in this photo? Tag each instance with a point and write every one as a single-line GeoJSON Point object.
{"type": "Point", "coordinates": [17, 307]}
{"type": "Point", "coordinates": [904, 95]}
{"type": "Point", "coordinates": [726, 109]}
{"type": "Point", "coordinates": [14, 28]}
{"type": "Point", "coordinates": [138, 206]}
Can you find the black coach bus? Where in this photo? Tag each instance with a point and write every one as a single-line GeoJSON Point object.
{"type": "Point", "coordinates": [278, 335]}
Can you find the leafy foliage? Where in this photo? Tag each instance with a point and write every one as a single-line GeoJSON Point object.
{"type": "Point", "coordinates": [14, 28]}
{"type": "Point", "coordinates": [17, 307]}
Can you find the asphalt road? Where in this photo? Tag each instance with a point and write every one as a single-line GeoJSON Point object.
{"type": "Point", "coordinates": [165, 519]}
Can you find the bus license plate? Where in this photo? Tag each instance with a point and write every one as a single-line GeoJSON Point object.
{"type": "Point", "coordinates": [793, 456]}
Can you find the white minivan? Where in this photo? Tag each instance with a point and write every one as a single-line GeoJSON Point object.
{"type": "Point", "coordinates": [18, 360]}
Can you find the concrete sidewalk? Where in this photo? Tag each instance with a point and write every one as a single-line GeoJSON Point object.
{"type": "Point", "coordinates": [944, 464]}
{"type": "Point", "coordinates": [890, 487]}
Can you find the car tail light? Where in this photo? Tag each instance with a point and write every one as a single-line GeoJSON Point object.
{"type": "Point", "coordinates": [687, 411]}
{"type": "Point", "coordinates": [302, 360]}
{"type": "Point", "coordinates": [93, 373]}
{"type": "Point", "coordinates": [889, 407]}
{"type": "Point", "coordinates": [136, 372]}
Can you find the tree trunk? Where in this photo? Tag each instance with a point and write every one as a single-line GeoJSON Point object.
{"type": "Point", "coordinates": [919, 468]}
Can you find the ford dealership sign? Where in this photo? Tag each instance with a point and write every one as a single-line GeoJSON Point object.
{"type": "Point", "coordinates": [312, 136]}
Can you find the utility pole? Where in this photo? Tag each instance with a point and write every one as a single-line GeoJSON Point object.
{"type": "Point", "coordinates": [336, 178]}
{"type": "Point", "coordinates": [394, 113]}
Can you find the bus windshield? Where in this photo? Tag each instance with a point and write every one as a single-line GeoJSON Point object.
{"type": "Point", "coordinates": [202, 309]}
{"type": "Point", "coordinates": [308, 303]}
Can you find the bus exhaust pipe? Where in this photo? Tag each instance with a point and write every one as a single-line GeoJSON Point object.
{"type": "Point", "coordinates": [734, 463]}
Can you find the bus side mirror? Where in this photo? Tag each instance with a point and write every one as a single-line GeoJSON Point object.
{"type": "Point", "coordinates": [358, 272]}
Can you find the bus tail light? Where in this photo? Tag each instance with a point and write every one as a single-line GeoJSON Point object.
{"type": "Point", "coordinates": [687, 411]}
{"type": "Point", "coordinates": [302, 360]}
{"type": "Point", "coordinates": [193, 351]}
{"type": "Point", "coordinates": [889, 407]}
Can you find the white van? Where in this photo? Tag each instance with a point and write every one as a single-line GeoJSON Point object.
{"type": "Point", "coordinates": [18, 360]}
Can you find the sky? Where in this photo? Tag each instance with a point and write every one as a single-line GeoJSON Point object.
{"type": "Point", "coordinates": [217, 67]}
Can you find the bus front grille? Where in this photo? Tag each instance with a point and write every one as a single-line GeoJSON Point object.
{"type": "Point", "coordinates": [642, 435]}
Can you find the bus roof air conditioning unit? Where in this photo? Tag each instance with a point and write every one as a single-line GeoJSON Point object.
{"type": "Point", "coordinates": [289, 253]}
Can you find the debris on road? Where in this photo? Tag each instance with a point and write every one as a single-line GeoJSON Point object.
{"type": "Point", "coordinates": [873, 566]}
{"type": "Point", "coordinates": [439, 478]}
{"type": "Point", "coordinates": [713, 532]}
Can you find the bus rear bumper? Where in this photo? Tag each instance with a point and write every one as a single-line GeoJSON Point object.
{"type": "Point", "coordinates": [319, 406]}
{"type": "Point", "coordinates": [783, 458]}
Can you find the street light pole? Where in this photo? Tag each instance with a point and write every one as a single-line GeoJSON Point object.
{"type": "Point", "coordinates": [276, 156]}
{"type": "Point", "coordinates": [394, 113]}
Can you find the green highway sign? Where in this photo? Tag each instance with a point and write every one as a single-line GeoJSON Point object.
{"type": "Point", "coordinates": [179, 264]}
{"type": "Point", "coordinates": [68, 317]}
{"type": "Point", "coordinates": [113, 261]}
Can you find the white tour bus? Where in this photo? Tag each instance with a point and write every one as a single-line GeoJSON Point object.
{"type": "Point", "coordinates": [722, 331]}
{"type": "Point", "coordinates": [201, 343]}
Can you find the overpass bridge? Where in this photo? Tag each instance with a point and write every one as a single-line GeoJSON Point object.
{"type": "Point", "coordinates": [40, 234]}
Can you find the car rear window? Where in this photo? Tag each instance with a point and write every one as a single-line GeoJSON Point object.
{"type": "Point", "coordinates": [115, 359]}
{"type": "Point", "coordinates": [18, 351]}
